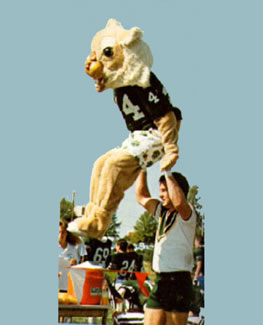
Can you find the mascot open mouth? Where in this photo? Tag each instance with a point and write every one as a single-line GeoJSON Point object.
{"type": "Point", "coordinates": [95, 70]}
{"type": "Point", "coordinates": [100, 84]}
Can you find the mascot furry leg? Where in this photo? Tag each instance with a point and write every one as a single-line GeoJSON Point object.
{"type": "Point", "coordinates": [112, 175]}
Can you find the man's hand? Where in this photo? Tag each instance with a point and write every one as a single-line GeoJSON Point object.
{"type": "Point", "coordinates": [73, 262]}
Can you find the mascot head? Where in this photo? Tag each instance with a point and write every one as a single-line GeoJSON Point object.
{"type": "Point", "coordinates": [119, 58]}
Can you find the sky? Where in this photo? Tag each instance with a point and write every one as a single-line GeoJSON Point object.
{"type": "Point", "coordinates": [54, 125]}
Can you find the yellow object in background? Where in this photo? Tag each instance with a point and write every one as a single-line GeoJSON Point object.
{"type": "Point", "coordinates": [65, 298]}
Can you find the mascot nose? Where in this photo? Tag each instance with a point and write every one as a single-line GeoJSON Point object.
{"type": "Point", "coordinates": [93, 67]}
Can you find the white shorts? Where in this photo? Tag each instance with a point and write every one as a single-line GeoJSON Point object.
{"type": "Point", "coordinates": [145, 146]}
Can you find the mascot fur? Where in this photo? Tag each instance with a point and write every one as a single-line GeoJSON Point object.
{"type": "Point", "coordinates": [121, 60]}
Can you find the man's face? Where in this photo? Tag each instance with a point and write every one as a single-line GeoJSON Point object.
{"type": "Point", "coordinates": [117, 248]}
{"type": "Point", "coordinates": [62, 234]}
{"type": "Point", "coordinates": [164, 196]}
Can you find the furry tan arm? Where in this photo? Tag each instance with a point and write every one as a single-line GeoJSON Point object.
{"type": "Point", "coordinates": [168, 127]}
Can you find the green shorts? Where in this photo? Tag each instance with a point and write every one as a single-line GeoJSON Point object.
{"type": "Point", "coordinates": [172, 292]}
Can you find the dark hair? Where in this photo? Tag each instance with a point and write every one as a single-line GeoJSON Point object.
{"type": "Point", "coordinates": [71, 238]}
{"type": "Point", "coordinates": [180, 179]}
{"type": "Point", "coordinates": [130, 246]}
{"type": "Point", "coordinates": [122, 243]}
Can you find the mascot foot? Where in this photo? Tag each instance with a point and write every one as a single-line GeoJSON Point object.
{"type": "Point", "coordinates": [73, 228]}
{"type": "Point", "coordinates": [94, 224]}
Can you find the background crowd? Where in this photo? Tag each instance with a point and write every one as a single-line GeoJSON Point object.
{"type": "Point", "coordinates": [120, 255]}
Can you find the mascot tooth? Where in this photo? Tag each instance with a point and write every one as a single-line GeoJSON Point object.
{"type": "Point", "coordinates": [122, 61]}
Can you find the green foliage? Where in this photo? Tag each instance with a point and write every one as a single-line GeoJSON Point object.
{"type": "Point", "coordinates": [192, 197]}
{"type": "Point", "coordinates": [113, 230]}
{"type": "Point", "coordinates": [194, 200]}
{"type": "Point", "coordinates": [148, 255]}
{"type": "Point", "coordinates": [66, 209]}
{"type": "Point", "coordinates": [132, 237]}
{"type": "Point", "coordinates": [145, 228]}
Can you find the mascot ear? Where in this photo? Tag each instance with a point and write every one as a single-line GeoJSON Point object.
{"type": "Point", "coordinates": [132, 35]}
{"type": "Point", "coordinates": [124, 36]}
{"type": "Point", "coordinates": [113, 23]}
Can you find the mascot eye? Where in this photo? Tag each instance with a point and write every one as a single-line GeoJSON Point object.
{"type": "Point", "coordinates": [108, 51]}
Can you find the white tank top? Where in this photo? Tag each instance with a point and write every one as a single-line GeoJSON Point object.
{"type": "Point", "coordinates": [173, 250]}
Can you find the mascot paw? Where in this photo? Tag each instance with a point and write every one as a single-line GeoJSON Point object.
{"type": "Point", "coordinates": [168, 161]}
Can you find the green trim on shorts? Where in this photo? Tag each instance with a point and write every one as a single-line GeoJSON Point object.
{"type": "Point", "coordinates": [172, 292]}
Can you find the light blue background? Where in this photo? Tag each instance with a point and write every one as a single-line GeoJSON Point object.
{"type": "Point", "coordinates": [54, 125]}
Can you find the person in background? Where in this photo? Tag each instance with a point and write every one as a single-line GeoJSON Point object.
{"type": "Point", "coordinates": [81, 248]}
{"type": "Point", "coordinates": [98, 251]}
{"type": "Point", "coordinates": [139, 263]}
{"type": "Point", "coordinates": [199, 258]}
{"type": "Point", "coordinates": [82, 252]}
{"type": "Point", "coordinates": [171, 297]}
{"type": "Point", "coordinates": [68, 253]}
{"type": "Point", "coordinates": [68, 243]}
{"type": "Point", "coordinates": [130, 248]}
{"type": "Point", "coordinates": [198, 277]}
{"type": "Point", "coordinates": [123, 261]}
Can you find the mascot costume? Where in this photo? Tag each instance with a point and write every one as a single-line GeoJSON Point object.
{"type": "Point", "coordinates": [121, 60]}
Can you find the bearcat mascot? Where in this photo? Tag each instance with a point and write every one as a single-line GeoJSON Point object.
{"type": "Point", "coordinates": [121, 60]}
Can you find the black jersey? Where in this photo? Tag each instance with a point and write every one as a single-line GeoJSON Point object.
{"type": "Point", "coordinates": [98, 251]}
{"type": "Point", "coordinates": [141, 106]}
{"type": "Point", "coordinates": [139, 264]}
{"type": "Point", "coordinates": [125, 262]}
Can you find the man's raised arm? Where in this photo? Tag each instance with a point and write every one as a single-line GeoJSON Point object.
{"type": "Point", "coordinates": [143, 195]}
{"type": "Point", "coordinates": [177, 196]}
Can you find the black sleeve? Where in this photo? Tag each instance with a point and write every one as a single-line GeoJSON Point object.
{"type": "Point", "coordinates": [113, 265]}
{"type": "Point", "coordinates": [140, 262]}
{"type": "Point", "coordinates": [160, 99]}
{"type": "Point", "coordinates": [178, 113]}
{"type": "Point", "coordinates": [108, 261]}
